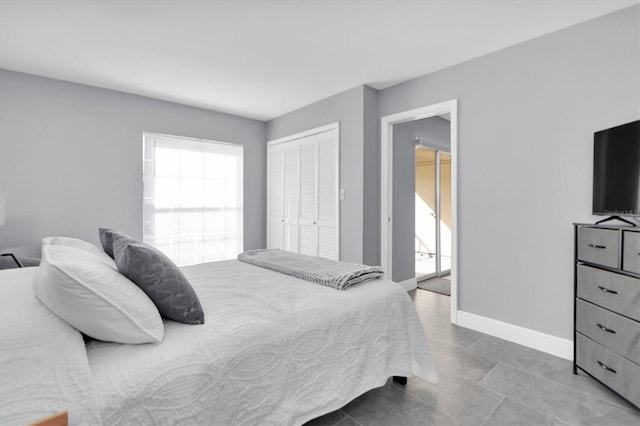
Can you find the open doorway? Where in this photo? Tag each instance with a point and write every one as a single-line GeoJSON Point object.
{"type": "Point", "coordinates": [432, 212]}
{"type": "Point", "coordinates": [398, 218]}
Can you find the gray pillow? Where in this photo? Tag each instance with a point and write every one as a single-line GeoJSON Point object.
{"type": "Point", "coordinates": [159, 278]}
{"type": "Point", "coordinates": [107, 235]}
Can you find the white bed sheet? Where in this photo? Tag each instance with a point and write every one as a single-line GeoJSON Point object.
{"type": "Point", "coordinates": [274, 349]}
{"type": "Point", "coordinates": [43, 362]}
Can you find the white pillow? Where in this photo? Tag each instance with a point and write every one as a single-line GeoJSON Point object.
{"type": "Point", "coordinates": [83, 290]}
{"type": "Point", "coordinates": [81, 244]}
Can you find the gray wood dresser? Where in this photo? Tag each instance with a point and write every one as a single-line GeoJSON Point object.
{"type": "Point", "coordinates": [607, 306]}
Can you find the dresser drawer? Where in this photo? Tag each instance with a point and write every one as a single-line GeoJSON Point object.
{"type": "Point", "coordinates": [631, 251]}
{"type": "Point", "coordinates": [614, 331]}
{"type": "Point", "coordinates": [616, 292]}
{"type": "Point", "coordinates": [599, 246]}
{"type": "Point", "coordinates": [593, 358]}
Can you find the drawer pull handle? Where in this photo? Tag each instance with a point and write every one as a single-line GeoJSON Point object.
{"type": "Point", "coordinates": [598, 246]}
{"type": "Point", "coordinates": [606, 368]}
{"type": "Point", "coordinates": [606, 290]}
{"type": "Point", "coordinates": [603, 328]}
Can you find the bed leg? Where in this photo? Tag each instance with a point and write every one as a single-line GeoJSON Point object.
{"type": "Point", "coordinates": [400, 380]}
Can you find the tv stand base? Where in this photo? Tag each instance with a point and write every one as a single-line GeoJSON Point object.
{"type": "Point", "coordinates": [615, 218]}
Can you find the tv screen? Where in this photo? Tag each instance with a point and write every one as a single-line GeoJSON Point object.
{"type": "Point", "coordinates": [616, 171]}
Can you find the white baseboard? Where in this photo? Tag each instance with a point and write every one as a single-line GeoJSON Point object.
{"type": "Point", "coordinates": [553, 345]}
{"type": "Point", "coordinates": [410, 284]}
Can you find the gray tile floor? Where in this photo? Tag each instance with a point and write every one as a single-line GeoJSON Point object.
{"type": "Point", "coordinates": [484, 381]}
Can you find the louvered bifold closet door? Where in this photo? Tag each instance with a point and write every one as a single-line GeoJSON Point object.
{"type": "Point", "coordinates": [303, 194]}
{"type": "Point", "coordinates": [291, 196]}
{"type": "Point", "coordinates": [327, 196]}
{"type": "Point", "coordinates": [276, 193]}
{"type": "Point", "coordinates": [309, 196]}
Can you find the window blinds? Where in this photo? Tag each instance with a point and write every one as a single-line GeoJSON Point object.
{"type": "Point", "coordinates": [193, 198]}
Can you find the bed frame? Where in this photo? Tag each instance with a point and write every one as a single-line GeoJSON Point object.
{"type": "Point", "coordinates": [401, 380]}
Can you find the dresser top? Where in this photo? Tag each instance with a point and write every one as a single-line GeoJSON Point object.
{"type": "Point", "coordinates": [607, 226]}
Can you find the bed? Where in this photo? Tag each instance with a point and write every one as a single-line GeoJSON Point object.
{"type": "Point", "coordinates": [274, 350]}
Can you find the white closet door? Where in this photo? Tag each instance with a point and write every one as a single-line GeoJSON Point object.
{"type": "Point", "coordinates": [327, 196]}
{"type": "Point", "coordinates": [275, 176]}
{"type": "Point", "coordinates": [309, 179]}
{"type": "Point", "coordinates": [327, 242]}
{"type": "Point", "coordinates": [303, 193]}
{"type": "Point", "coordinates": [309, 239]}
{"type": "Point", "coordinates": [309, 196]}
{"type": "Point", "coordinates": [291, 199]}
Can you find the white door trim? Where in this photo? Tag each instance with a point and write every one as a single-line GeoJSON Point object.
{"type": "Point", "coordinates": [386, 187]}
{"type": "Point", "coordinates": [332, 126]}
{"type": "Point", "coordinates": [408, 285]}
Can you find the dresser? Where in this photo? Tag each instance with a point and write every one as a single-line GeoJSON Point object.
{"type": "Point", "coordinates": [607, 306]}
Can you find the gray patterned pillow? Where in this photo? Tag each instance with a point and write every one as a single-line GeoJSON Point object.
{"type": "Point", "coordinates": [107, 235]}
{"type": "Point", "coordinates": [159, 278]}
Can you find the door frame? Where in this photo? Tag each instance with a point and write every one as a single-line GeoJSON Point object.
{"type": "Point", "coordinates": [386, 187]}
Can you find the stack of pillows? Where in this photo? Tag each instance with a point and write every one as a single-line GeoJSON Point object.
{"type": "Point", "coordinates": [116, 295]}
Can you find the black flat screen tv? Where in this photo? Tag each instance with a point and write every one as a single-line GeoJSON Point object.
{"type": "Point", "coordinates": [616, 170]}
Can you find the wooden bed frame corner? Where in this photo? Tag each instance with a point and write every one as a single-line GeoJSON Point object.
{"type": "Point", "coordinates": [58, 419]}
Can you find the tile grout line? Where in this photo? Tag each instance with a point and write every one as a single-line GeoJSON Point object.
{"type": "Point", "coordinates": [537, 398]}
{"type": "Point", "coordinates": [483, 356]}
{"type": "Point", "coordinates": [485, 376]}
{"type": "Point", "coordinates": [481, 337]}
{"type": "Point", "coordinates": [427, 403]}
{"type": "Point", "coordinates": [492, 411]}
{"type": "Point", "coordinates": [615, 404]}
{"type": "Point", "coordinates": [510, 360]}
{"type": "Point", "coordinates": [525, 404]}
{"type": "Point", "coordinates": [447, 412]}
{"type": "Point", "coordinates": [508, 397]}
{"type": "Point", "coordinates": [551, 416]}
{"type": "Point", "coordinates": [540, 375]}
{"type": "Point", "coordinates": [563, 385]}
{"type": "Point", "coordinates": [408, 392]}
{"type": "Point", "coordinates": [351, 417]}
{"type": "Point", "coordinates": [492, 390]}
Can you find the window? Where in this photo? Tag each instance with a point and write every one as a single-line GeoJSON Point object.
{"type": "Point", "coordinates": [193, 198]}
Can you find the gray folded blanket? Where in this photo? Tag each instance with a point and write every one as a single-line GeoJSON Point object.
{"type": "Point", "coordinates": [319, 270]}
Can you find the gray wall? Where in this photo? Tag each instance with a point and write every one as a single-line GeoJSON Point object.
{"type": "Point", "coordinates": [526, 120]}
{"type": "Point", "coordinates": [404, 202]}
{"type": "Point", "coordinates": [347, 108]}
{"type": "Point", "coordinates": [371, 199]}
{"type": "Point", "coordinates": [71, 157]}
{"type": "Point", "coordinates": [437, 131]}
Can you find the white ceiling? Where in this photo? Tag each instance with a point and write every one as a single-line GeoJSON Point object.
{"type": "Point", "coordinates": [261, 59]}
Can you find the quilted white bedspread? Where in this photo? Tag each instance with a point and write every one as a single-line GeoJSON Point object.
{"type": "Point", "coordinates": [43, 362]}
{"type": "Point", "coordinates": [274, 349]}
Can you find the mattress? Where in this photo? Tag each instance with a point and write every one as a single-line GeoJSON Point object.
{"type": "Point", "coordinates": [43, 362]}
{"type": "Point", "coordinates": [274, 349]}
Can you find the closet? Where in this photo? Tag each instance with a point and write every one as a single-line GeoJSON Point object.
{"type": "Point", "coordinates": [302, 193]}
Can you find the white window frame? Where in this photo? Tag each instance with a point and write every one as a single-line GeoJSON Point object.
{"type": "Point", "coordinates": [149, 140]}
